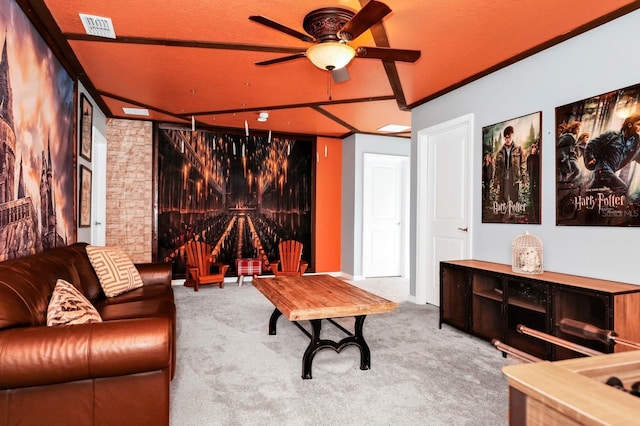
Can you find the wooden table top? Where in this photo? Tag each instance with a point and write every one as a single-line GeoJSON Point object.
{"type": "Point", "coordinates": [576, 389]}
{"type": "Point", "coordinates": [320, 296]}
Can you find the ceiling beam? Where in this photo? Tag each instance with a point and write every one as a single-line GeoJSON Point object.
{"type": "Point", "coordinates": [335, 118]}
{"type": "Point", "coordinates": [184, 43]}
{"type": "Point", "coordinates": [290, 106]}
{"type": "Point", "coordinates": [381, 40]}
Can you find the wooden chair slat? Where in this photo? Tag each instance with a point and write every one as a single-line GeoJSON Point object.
{"type": "Point", "coordinates": [290, 262]}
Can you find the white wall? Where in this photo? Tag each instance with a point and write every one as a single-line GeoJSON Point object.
{"type": "Point", "coordinates": [353, 149]}
{"type": "Point", "coordinates": [601, 60]}
{"type": "Point", "coordinates": [97, 165]}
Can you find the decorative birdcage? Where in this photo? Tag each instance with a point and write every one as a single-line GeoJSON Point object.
{"type": "Point", "coordinates": [527, 254]}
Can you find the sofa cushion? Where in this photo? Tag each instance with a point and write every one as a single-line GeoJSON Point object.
{"type": "Point", "coordinates": [87, 279]}
{"type": "Point", "coordinates": [69, 306]}
{"type": "Point", "coordinates": [115, 270]}
{"type": "Point", "coordinates": [146, 292]}
{"type": "Point", "coordinates": [26, 285]}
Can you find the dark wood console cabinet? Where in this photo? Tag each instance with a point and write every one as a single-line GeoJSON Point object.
{"type": "Point", "coordinates": [489, 300]}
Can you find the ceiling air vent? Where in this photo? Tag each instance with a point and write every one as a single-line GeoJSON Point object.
{"type": "Point", "coordinates": [98, 26]}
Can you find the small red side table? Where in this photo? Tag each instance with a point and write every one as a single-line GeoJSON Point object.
{"type": "Point", "coordinates": [248, 266]}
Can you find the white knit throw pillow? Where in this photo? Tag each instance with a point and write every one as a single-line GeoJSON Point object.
{"type": "Point", "coordinates": [116, 272]}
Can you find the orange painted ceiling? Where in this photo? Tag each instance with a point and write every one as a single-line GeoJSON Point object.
{"type": "Point", "coordinates": [184, 58]}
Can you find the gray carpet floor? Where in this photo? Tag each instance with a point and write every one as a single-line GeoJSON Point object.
{"type": "Point", "coordinates": [230, 371]}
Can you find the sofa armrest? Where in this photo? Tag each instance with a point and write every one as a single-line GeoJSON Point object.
{"type": "Point", "coordinates": [155, 273]}
{"type": "Point", "coordinates": [37, 356]}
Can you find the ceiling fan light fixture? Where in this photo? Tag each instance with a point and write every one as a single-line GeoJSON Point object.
{"type": "Point", "coordinates": [330, 55]}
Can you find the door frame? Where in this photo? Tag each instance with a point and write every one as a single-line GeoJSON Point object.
{"type": "Point", "coordinates": [424, 235]}
{"type": "Point", "coordinates": [404, 211]}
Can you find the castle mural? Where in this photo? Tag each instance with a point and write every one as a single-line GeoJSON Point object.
{"type": "Point", "coordinates": [36, 142]}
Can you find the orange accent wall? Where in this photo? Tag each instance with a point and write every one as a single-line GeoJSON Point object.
{"type": "Point", "coordinates": [328, 205]}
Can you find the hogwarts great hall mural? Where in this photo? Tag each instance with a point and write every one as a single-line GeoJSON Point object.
{"type": "Point", "coordinates": [240, 193]}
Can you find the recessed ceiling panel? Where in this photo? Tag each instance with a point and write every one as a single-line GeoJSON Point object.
{"type": "Point", "coordinates": [194, 80]}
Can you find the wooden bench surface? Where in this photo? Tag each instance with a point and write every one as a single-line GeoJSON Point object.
{"type": "Point", "coordinates": [320, 296]}
{"type": "Point", "coordinates": [554, 277]}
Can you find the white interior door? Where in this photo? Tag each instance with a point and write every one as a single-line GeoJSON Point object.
{"type": "Point", "coordinates": [443, 199]}
{"type": "Point", "coordinates": [384, 199]}
{"type": "Point", "coordinates": [98, 189]}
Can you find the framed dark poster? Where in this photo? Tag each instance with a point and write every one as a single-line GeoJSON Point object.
{"type": "Point", "coordinates": [597, 155]}
{"type": "Point", "coordinates": [84, 202]}
{"type": "Point", "coordinates": [240, 194]}
{"type": "Point", "coordinates": [511, 170]}
{"type": "Point", "coordinates": [86, 127]}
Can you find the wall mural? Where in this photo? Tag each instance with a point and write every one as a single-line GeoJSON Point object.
{"type": "Point", "coordinates": [36, 141]}
{"type": "Point", "coordinates": [240, 194]}
{"type": "Point", "coordinates": [597, 155]}
{"type": "Point", "coordinates": [511, 170]}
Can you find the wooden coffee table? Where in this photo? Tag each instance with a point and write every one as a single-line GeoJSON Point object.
{"type": "Point", "coordinates": [322, 297]}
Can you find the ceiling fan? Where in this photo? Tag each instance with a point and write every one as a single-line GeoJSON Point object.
{"type": "Point", "coordinates": [330, 29]}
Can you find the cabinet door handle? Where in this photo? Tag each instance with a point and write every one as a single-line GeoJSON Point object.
{"type": "Point", "coordinates": [465, 229]}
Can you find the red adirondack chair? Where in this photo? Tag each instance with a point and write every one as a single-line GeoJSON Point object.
{"type": "Point", "coordinates": [201, 268]}
{"type": "Point", "coordinates": [290, 263]}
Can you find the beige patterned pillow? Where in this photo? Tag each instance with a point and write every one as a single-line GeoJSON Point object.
{"type": "Point", "coordinates": [69, 306]}
{"type": "Point", "coordinates": [115, 270]}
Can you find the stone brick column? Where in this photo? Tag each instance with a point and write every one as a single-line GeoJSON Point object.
{"type": "Point", "coordinates": [129, 216]}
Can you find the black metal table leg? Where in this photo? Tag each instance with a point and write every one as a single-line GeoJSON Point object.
{"type": "Point", "coordinates": [314, 346]}
{"type": "Point", "coordinates": [273, 320]}
{"type": "Point", "coordinates": [318, 344]}
{"type": "Point", "coordinates": [365, 353]}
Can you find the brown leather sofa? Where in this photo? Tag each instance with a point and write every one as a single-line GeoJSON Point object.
{"type": "Point", "coordinates": [113, 372]}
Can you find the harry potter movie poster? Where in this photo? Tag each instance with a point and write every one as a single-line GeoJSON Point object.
{"type": "Point", "coordinates": [511, 171]}
{"type": "Point", "coordinates": [597, 155]}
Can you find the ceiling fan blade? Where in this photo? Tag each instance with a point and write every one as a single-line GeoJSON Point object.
{"type": "Point", "coordinates": [279, 27]}
{"type": "Point", "coordinates": [369, 15]}
{"type": "Point", "coordinates": [340, 75]}
{"type": "Point", "coordinates": [388, 54]}
{"type": "Point", "coordinates": [281, 59]}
